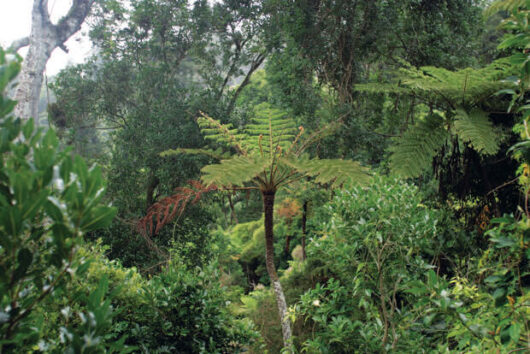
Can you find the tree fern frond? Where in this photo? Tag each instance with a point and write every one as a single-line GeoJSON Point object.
{"type": "Point", "coordinates": [235, 171]}
{"type": "Point", "coordinates": [504, 5]}
{"type": "Point", "coordinates": [413, 152]}
{"type": "Point", "coordinates": [222, 133]}
{"type": "Point", "coordinates": [382, 87]}
{"type": "Point", "coordinates": [218, 154]}
{"type": "Point", "coordinates": [476, 129]}
{"type": "Point", "coordinates": [165, 210]}
{"type": "Point", "coordinates": [462, 87]}
{"type": "Point", "coordinates": [269, 129]}
{"type": "Point", "coordinates": [333, 171]}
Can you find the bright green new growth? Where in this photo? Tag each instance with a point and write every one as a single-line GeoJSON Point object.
{"type": "Point", "coordinates": [460, 94]}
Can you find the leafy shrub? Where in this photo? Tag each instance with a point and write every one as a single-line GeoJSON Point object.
{"type": "Point", "coordinates": [48, 200]}
{"type": "Point", "coordinates": [489, 310]}
{"type": "Point", "coordinates": [372, 244]}
{"type": "Point", "coordinates": [179, 310]}
{"type": "Point", "coordinates": [186, 311]}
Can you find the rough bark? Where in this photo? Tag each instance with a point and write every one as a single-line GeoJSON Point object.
{"type": "Point", "coordinates": [268, 206]}
{"type": "Point", "coordinates": [44, 38]}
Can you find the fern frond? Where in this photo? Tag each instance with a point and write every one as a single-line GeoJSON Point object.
{"type": "Point", "coordinates": [334, 171]}
{"type": "Point", "coordinates": [454, 88]}
{"type": "Point", "coordinates": [218, 154]}
{"type": "Point", "coordinates": [476, 129]}
{"type": "Point", "coordinates": [462, 87]}
{"type": "Point", "coordinates": [505, 5]}
{"type": "Point", "coordinates": [222, 133]}
{"type": "Point", "coordinates": [235, 171]}
{"type": "Point", "coordinates": [269, 129]}
{"type": "Point", "coordinates": [413, 152]}
{"type": "Point", "coordinates": [163, 212]}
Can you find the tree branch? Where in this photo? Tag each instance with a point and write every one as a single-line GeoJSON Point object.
{"type": "Point", "coordinates": [19, 43]}
{"type": "Point", "coordinates": [71, 23]}
{"type": "Point", "coordinates": [43, 9]}
{"type": "Point", "coordinates": [255, 65]}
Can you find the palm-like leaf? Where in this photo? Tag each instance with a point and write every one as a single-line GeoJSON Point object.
{"type": "Point", "coordinates": [270, 129]}
{"type": "Point", "coordinates": [505, 5]}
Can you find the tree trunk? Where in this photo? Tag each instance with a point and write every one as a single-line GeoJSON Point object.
{"type": "Point", "coordinates": [152, 183]}
{"type": "Point", "coordinates": [287, 245]}
{"type": "Point", "coordinates": [268, 206]}
{"type": "Point", "coordinates": [304, 230]}
{"type": "Point", "coordinates": [44, 38]}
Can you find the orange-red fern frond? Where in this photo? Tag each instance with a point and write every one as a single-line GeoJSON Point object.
{"type": "Point", "coordinates": [164, 211]}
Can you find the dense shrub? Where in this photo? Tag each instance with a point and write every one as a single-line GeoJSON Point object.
{"type": "Point", "coordinates": [48, 200]}
{"type": "Point", "coordinates": [179, 310]}
{"type": "Point", "coordinates": [373, 242]}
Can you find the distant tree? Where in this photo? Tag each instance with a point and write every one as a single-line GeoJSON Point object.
{"type": "Point", "coordinates": [44, 38]}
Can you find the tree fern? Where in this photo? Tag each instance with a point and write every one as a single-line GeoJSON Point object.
{"type": "Point", "coordinates": [460, 95]}
{"type": "Point", "coordinates": [268, 157]}
{"type": "Point", "coordinates": [235, 171]}
{"type": "Point", "coordinates": [466, 87]}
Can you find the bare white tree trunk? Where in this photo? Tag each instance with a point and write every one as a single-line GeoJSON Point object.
{"type": "Point", "coordinates": [44, 38]}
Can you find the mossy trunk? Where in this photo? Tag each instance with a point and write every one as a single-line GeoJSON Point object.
{"type": "Point", "coordinates": [268, 207]}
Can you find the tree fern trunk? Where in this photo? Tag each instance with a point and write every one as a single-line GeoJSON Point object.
{"type": "Point", "coordinates": [268, 206]}
{"type": "Point", "coordinates": [304, 230]}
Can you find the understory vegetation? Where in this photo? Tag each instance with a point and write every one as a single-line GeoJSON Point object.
{"type": "Point", "coordinates": [274, 177]}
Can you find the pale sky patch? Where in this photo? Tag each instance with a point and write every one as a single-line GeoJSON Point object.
{"type": "Point", "coordinates": [15, 23]}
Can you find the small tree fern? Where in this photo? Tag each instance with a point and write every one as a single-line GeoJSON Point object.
{"type": "Point", "coordinates": [266, 156]}
{"type": "Point", "coordinates": [458, 96]}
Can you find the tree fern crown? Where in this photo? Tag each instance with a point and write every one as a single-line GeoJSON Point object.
{"type": "Point", "coordinates": [267, 154]}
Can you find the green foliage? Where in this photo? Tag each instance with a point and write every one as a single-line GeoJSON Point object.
{"type": "Point", "coordinates": [476, 129]}
{"type": "Point", "coordinates": [182, 308]}
{"type": "Point", "coordinates": [269, 154]}
{"type": "Point", "coordinates": [186, 311]}
{"type": "Point", "coordinates": [505, 5]}
{"type": "Point", "coordinates": [371, 245]}
{"type": "Point", "coordinates": [246, 244]}
{"type": "Point", "coordinates": [465, 87]}
{"type": "Point", "coordinates": [48, 200]}
{"type": "Point", "coordinates": [491, 313]}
